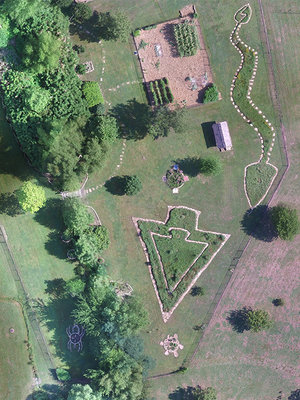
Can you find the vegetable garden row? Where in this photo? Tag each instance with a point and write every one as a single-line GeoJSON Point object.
{"type": "Point", "coordinates": [186, 39]}
{"type": "Point", "coordinates": [161, 92]}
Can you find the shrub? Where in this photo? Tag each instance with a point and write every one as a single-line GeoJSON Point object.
{"type": "Point", "coordinates": [285, 221]}
{"type": "Point", "coordinates": [62, 374]}
{"type": "Point", "coordinates": [278, 302]}
{"type": "Point", "coordinates": [75, 286]}
{"type": "Point", "coordinates": [258, 320]}
{"type": "Point", "coordinates": [92, 93]}
{"type": "Point", "coordinates": [197, 291]}
{"type": "Point", "coordinates": [31, 197]}
{"type": "Point", "coordinates": [137, 32]}
{"type": "Point", "coordinates": [81, 69]}
{"type": "Point", "coordinates": [79, 48]}
{"type": "Point", "coordinates": [148, 28]}
{"type": "Point", "coordinates": [101, 233]}
{"type": "Point", "coordinates": [132, 185]}
{"type": "Point", "coordinates": [204, 394]}
{"type": "Point", "coordinates": [210, 166]}
{"type": "Point", "coordinates": [211, 94]}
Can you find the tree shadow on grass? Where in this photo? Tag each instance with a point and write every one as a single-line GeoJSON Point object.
{"type": "Point", "coordinates": [56, 315]}
{"type": "Point", "coordinates": [189, 165]}
{"type": "Point", "coordinates": [50, 214]}
{"type": "Point", "coordinates": [116, 185]}
{"type": "Point", "coordinates": [238, 319]}
{"type": "Point", "coordinates": [55, 246]}
{"type": "Point", "coordinates": [257, 223]}
{"type": "Point", "coordinates": [134, 119]}
{"type": "Point", "coordinates": [295, 395]}
{"type": "Point", "coordinates": [209, 133]}
{"type": "Point", "coordinates": [56, 287]}
{"type": "Point", "coordinates": [9, 204]}
{"type": "Point", "coordinates": [182, 394]}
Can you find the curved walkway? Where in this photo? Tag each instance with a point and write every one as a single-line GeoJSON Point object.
{"type": "Point", "coordinates": [251, 82]}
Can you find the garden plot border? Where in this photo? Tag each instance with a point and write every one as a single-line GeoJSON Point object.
{"type": "Point", "coordinates": [166, 315]}
{"type": "Point", "coordinates": [235, 31]}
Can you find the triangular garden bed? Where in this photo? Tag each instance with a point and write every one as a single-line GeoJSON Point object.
{"type": "Point", "coordinates": [177, 253]}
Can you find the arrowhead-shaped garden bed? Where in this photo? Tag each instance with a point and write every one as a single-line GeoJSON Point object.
{"type": "Point", "coordinates": [177, 253]}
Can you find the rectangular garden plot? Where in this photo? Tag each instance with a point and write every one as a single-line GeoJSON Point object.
{"type": "Point", "coordinates": [174, 50]}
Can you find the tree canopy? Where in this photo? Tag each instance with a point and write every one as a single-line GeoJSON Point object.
{"type": "Point", "coordinates": [258, 320]}
{"type": "Point", "coordinates": [82, 392]}
{"type": "Point", "coordinates": [210, 165]}
{"type": "Point", "coordinates": [75, 215]}
{"type": "Point", "coordinates": [92, 93]}
{"type": "Point", "coordinates": [114, 26]}
{"type": "Point", "coordinates": [285, 221]}
{"type": "Point", "coordinates": [204, 394]}
{"type": "Point", "coordinates": [31, 197]}
{"type": "Point", "coordinates": [21, 10]}
{"type": "Point", "coordinates": [133, 185]}
{"type": "Point", "coordinates": [40, 53]}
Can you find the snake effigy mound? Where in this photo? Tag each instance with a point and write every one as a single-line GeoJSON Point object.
{"type": "Point", "coordinates": [259, 175]}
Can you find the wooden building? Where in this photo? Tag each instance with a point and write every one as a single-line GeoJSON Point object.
{"type": "Point", "coordinates": [222, 136]}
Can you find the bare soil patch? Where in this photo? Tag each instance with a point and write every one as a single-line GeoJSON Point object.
{"type": "Point", "coordinates": [168, 64]}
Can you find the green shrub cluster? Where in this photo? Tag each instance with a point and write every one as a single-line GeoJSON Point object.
{"type": "Point", "coordinates": [161, 92]}
{"type": "Point", "coordinates": [179, 218]}
{"type": "Point", "coordinates": [186, 39]}
{"type": "Point", "coordinates": [92, 93]}
{"type": "Point", "coordinates": [211, 94]}
{"type": "Point", "coordinates": [148, 28]}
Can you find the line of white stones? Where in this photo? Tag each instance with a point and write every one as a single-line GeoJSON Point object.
{"type": "Point", "coordinates": [167, 315]}
{"type": "Point", "coordinates": [122, 84]}
{"type": "Point", "coordinates": [251, 82]}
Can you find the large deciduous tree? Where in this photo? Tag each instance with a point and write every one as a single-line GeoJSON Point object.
{"type": "Point", "coordinates": [285, 221]}
{"type": "Point", "coordinates": [31, 197]}
{"type": "Point", "coordinates": [82, 392]}
{"type": "Point", "coordinates": [21, 10]}
{"type": "Point", "coordinates": [75, 216]}
{"type": "Point", "coordinates": [114, 26]}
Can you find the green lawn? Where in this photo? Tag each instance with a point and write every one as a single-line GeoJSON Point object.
{"type": "Point", "coordinates": [15, 372]}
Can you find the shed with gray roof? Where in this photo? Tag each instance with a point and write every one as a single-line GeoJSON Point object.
{"type": "Point", "coordinates": [222, 136]}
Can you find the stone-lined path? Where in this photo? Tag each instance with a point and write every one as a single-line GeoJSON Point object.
{"type": "Point", "coordinates": [122, 84]}
{"type": "Point", "coordinates": [264, 149]}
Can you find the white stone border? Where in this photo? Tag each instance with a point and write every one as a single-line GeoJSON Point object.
{"type": "Point", "coordinates": [167, 315]}
{"type": "Point", "coordinates": [251, 82]}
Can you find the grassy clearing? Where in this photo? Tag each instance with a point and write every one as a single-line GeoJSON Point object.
{"type": "Point", "coordinates": [15, 372]}
{"type": "Point", "coordinates": [258, 179]}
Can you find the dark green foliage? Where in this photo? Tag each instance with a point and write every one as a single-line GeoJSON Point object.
{"type": "Point", "coordinates": [205, 394]}
{"type": "Point", "coordinates": [278, 302]}
{"type": "Point", "coordinates": [101, 233]}
{"type": "Point", "coordinates": [62, 3]}
{"type": "Point", "coordinates": [211, 94]}
{"type": "Point", "coordinates": [40, 53]}
{"type": "Point", "coordinates": [210, 166]}
{"type": "Point", "coordinates": [114, 26]}
{"type": "Point", "coordinates": [133, 185]}
{"type": "Point", "coordinates": [93, 157]}
{"type": "Point", "coordinates": [92, 93]}
{"type": "Point", "coordinates": [21, 10]}
{"type": "Point", "coordinates": [258, 320]}
{"type": "Point", "coordinates": [285, 221]}
{"type": "Point", "coordinates": [62, 374]}
{"type": "Point", "coordinates": [81, 69]}
{"type": "Point", "coordinates": [186, 39]}
{"type": "Point", "coordinates": [161, 93]}
{"type": "Point", "coordinates": [87, 247]}
{"type": "Point", "coordinates": [5, 31]}
{"type": "Point", "coordinates": [78, 48]}
{"type": "Point", "coordinates": [174, 178]}
{"type": "Point", "coordinates": [148, 28]}
{"type": "Point", "coordinates": [74, 287]}
{"type": "Point", "coordinates": [110, 322]}
{"type": "Point", "coordinates": [164, 120]}
{"type": "Point", "coordinates": [81, 12]}
{"type": "Point", "coordinates": [105, 128]}
{"type": "Point", "coordinates": [197, 291]}
{"type": "Point", "coordinates": [82, 392]}
{"type": "Point", "coordinates": [75, 216]}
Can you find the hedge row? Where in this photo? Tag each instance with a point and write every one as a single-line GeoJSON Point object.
{"type": "Point", "coordinates": [161, 92]}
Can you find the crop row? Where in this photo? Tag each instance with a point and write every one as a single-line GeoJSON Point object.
{"type": "Point", "coordinates": [186, 39]}
{"type": "Point", "coordinates": [161, 92]}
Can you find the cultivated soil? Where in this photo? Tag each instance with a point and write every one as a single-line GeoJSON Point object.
{"type": "Point", "coordinates": [173, 67]}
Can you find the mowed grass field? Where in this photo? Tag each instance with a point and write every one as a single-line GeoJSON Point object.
{"type": "Point", "coordinates": [220, 199]}
{"type": "Point", "coordinates": [40, 257]}
{"type": "Point", "coordinates": [265, 365]}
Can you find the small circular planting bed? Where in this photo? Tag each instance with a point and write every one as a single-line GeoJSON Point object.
{"type": "Point", "coordinates": [174, 178]}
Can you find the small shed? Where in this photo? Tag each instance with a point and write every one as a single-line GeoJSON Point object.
{"type": "Point", "coordinates": [222, 136]}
